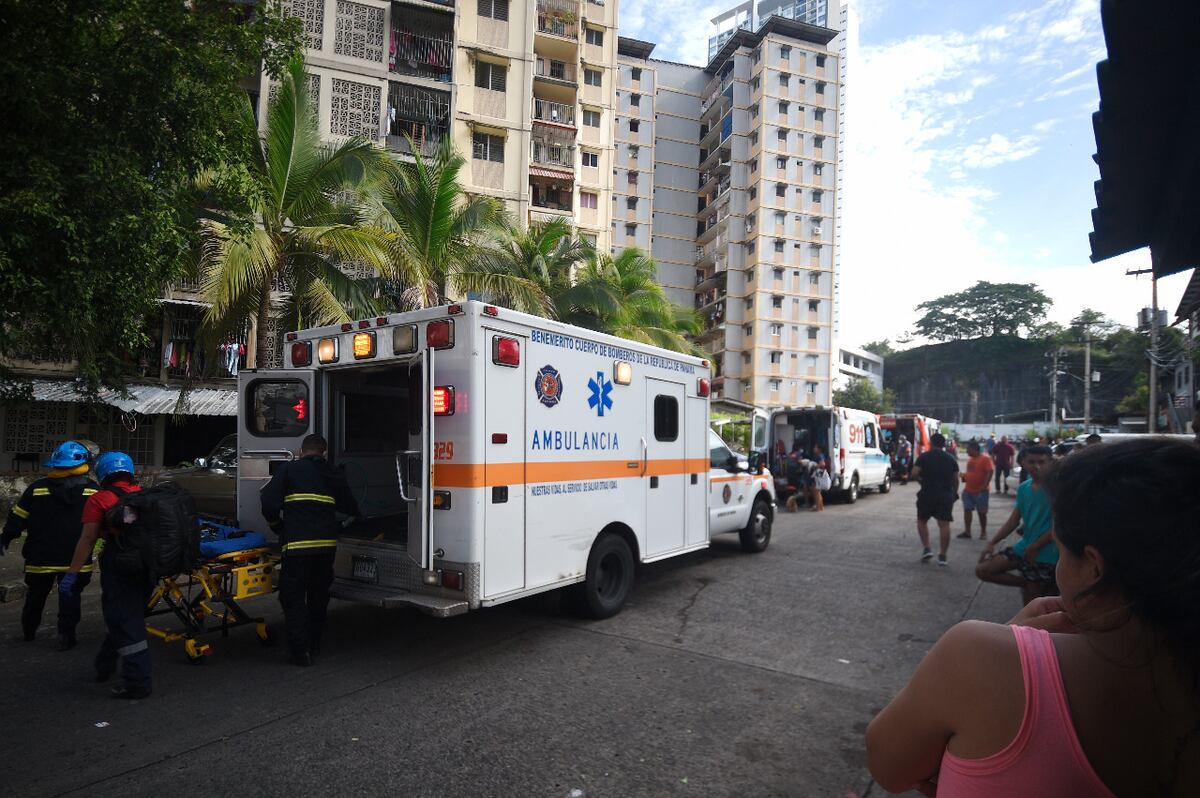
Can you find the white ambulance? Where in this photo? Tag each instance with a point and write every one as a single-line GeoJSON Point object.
{"type": "Point", "coordinates": [496, 455]}
{"type": "Point", "coordinates": [850, 437]}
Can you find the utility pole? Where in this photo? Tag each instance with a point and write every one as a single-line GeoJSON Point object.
{"type": "Point", "coordinates": [1152, 422]}
{"type": "Point", "coordinates": [1054, 390]}
{"type": "Point", "coordinates": [1087, 379]}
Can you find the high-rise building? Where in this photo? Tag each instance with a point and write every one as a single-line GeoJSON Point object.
{"type": "Point", "coordinates": [750, 15]}
{"type": "Point", "coordinates": [744, 167]}
{"type": "Point", "coordinates": [524, 87]}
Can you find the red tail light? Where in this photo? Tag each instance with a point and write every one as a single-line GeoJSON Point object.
{"type": "Point", "coordinates": [301, 353]}
{"type": "Point", "coordinates": [841, 461]}
{"type": "Point", "coordinates": [703, 388]}
{"type": "Point", "coordinates": [301, 409]}
{"type": "Point", "coordinates": [506, 351]}
{"type": "Point", "coordinates": [491, 310]}
{"type": "Point", "coordinates": [452, 580]}
{"type": "Point", "coordinates": [443, 400]}
{"type": "Point", "coordinates": [347, 327]}
{"type": "Point", "coordinates": [454, 309]}
{"type": "Point", "coordinates": [440, 334]}
{"type": "Point", "coordinates": [362, 325]}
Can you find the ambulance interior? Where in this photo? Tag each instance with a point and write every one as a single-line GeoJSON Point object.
{"type": "Point", "coordinates": [798, 430]}
{"type": "Point", "coordinates": [373, 416]}
{"type": "Point", "coordinates": [905, 427]}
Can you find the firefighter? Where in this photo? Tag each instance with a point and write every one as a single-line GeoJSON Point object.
{"type": "Point", "coordinates": [48, 515]}
{"type": "Point", "coordinates": [308, 493]}
{"type": "Point", "coordinates": [123, 596]}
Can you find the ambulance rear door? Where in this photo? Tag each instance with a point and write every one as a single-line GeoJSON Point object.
{"type": "Point", "coordinates": [276, 409]}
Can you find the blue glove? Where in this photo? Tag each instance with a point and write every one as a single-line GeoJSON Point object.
{"type": "Point", "coordinates": [66, 584]}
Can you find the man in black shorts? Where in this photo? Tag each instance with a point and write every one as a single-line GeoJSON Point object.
{"type": "Point", "coordinates": [937, 472]}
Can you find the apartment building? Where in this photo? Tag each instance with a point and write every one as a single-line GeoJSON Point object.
{"type": "Point", "coordinates": [854, 363]}
{"type": "Point", "coordinates": [524, 88]}
{"type": "Point", "coordinates": [744, 200]}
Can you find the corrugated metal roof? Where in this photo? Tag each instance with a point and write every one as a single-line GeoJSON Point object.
{"type": "Point", "coordinates": [145, 399]}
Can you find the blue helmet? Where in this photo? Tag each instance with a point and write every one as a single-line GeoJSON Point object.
{"type": "Point", "coordinates": [69, 455]}
{"type": "Point", "coordinates": [111, 463]}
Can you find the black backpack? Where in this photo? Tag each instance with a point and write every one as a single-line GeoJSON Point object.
{"type": "Point", "coordinates": [157, 532]}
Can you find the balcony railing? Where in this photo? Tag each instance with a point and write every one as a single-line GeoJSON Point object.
{"type": "Point", "coordinates": [551, 199]}
{"type": "Point", "coordinates": [552, 154]}
{"type": "Point", "coordinates": [555, 70]}
{"type": "Point", "coordinates": [557, 23]}
{"type": "Point", "coordinates": [554, 113]}
{"type": "Point", "coordinates": [422, 55]}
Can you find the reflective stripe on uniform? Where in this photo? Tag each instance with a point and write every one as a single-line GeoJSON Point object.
{"type": "Point", "coordinates": [41, 491]}
{"type": "Point", "coordinates": [55, 569]}
{"type": "Point", "coordinates": [19, 511]}
{"type": "Point", "coordinates": [309, 544]}
{"type": "Point", "coordinates": [309, 497]}
{"type": "Point", "coordinates": [133, 648]}
{"type": "Point", "coordinates": [88, 491]}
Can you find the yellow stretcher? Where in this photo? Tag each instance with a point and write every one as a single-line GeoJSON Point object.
{"type": "Point", "coordinates": [206, 600]}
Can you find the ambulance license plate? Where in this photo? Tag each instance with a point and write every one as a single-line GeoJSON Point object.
{"type": "Point", "coordinates": [365, 569]}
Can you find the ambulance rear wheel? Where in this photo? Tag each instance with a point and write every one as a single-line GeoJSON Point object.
{"type": "Point", "coordinates": [757, 534]}
{"type": "Point", "coordinates": [609, 577]}
{"type": "Point", "coordinates": [851, 494]}
{"type": "Point", "coordinates": [887, 483]}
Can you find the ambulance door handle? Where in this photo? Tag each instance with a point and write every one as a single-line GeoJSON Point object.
{"type": "Point", "coordinates": [401, 474]}
{"type": "Point", "coordinates": [267, 454]}
{"type": "Point", "coordinates": [645, 457]}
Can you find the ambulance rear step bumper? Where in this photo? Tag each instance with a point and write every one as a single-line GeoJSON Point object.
{"type": "Point", "coordinates": [389, 597]}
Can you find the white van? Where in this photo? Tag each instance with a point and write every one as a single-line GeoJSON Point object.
{"type": "Point", "coordinates": [850, 437]}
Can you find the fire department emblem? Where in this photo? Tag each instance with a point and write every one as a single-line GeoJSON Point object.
{"type": "Point", "coordinates": [548, 386]}
{"type": "Point", "coordinates": [726, 494]}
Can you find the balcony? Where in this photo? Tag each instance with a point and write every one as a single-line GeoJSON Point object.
{"type": "Point", "coordinates": [560, 72]}
{"type": "Point", "coordinates": [422, 46]}
{"type": "Point", "coordinates": [558, 18]}
{"type": "Point", "coordinates": [416, 115]}
{"type": "Point", "coordinates": [553, 113]}
{"type": "Point", "coordinates": [553, 154]}
{"type": "Point", "coordinates": [550, 193]}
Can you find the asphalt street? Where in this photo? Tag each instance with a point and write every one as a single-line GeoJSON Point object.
{"type": "Point", "coordinates": [727, 674]}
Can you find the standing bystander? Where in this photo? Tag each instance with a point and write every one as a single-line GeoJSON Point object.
{"type": "Point", "coordinates": [977, 479]}
{"type": "Point", "coordinates": [1002, 455]}
{"type": "Point", "coordinates": [937, 472]}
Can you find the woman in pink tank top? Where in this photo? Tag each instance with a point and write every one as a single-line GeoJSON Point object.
{"type": "Point", "coordinates": [1094, 693]}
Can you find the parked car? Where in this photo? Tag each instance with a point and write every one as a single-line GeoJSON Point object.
{"type": "Point", "coordinates": [212, 481]}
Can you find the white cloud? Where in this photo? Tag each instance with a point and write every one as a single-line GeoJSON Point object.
{"type": "Point", "coordinates": [998, 149]}
{"type": "Point", "coordinates": [1042, 253]}
{"type": "Point", "coordinates": [679, 28]}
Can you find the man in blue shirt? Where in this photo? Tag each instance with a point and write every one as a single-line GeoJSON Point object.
{"type": "Point", "coordinates": [1029, 564]}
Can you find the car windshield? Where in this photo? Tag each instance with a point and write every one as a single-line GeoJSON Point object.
{"type": "Point", "coordinates": [224, 454]}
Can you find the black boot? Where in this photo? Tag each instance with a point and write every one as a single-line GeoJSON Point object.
{"type": "Point", "coordinates": [303, 660]}
{"type": "Point", "coordinates": [130, 693]}
{"type": "Point", "coordinates": [66, 641]}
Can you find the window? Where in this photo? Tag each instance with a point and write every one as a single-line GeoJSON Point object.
{"type": "Point", "coordinates": [774, 384]}
{"type": "Point", "coordinates": [811, 387]}
{"type": "Point", "coordinates": [631, 203]}
{"type": "Point", "coordinates": [490, 76]}
{"type": "Point", "coordinates": [591, 118]}
{"type": "Point", "coordinates": [814, 278]}
{"type": "Point", "coordinates": [818, 141]}
{"type": "Point", "coordinates": [753, 195]}
{"type": "Point", "coordinates": [485, 147]}
{"type": "Point", "coordinates": [776, 357]}
{"type": "Point", "coordinates": [630, 230]}
{"type": "Point", "coordinates": [780, 217]}
{"type": "Point", "coordinates": [779, 245]}
{"type": "Point", "coordinates": [780, 190]}
{"type": "Point", "coordinates": [820, 88]}
{"type": "Point", "coordinates": [666, 418]}
{"type": "Point", "coordinates": [777, 301]}
{"type": "Point", "coordinates": [812, 333]}
{"type": "Point", "coordinates": [591, 239]}
{"type": "Point", "coordinates": [819, 114]}
{"type": "Point", "coordinates": [634, 125]}
{"type": "Point", "coordinates": [754, 166]}
{"type": "Point", "coordinates": [593, 77]}
{"type": "Point", "coordinates": [820, 62]}
{"type": "Point", "coordinates": [749, 303]}
{"type": "Point", "coordinates": [591, 159]}
{"type": "Point", "coordinates": [778, 272]}
{"type": "Point", "coordinates": [814, 305]}
{"type": "Point", "coordinates": [785, 52]}
{"type": "Point", "coordinates": [781, 163]}
{"type": "Point", "coordinates": [277, 408]}
{"type": "Point", "coordinates": [496, 9]}
{"type": "Point", "coordinates": [754, 111]}
{"type": "Point", "coordinates": [776, 329]}
{"type": "Point", "coordinates": [594, 36]}
{"type": "Point", "coordinates": [748, 331]}
{"type": "Point", "coordinates": [754, 137]}
{"type": "Point", "coordinates": [635, 100]}
{"type": "Point", "coordinates": [719, 455]}
{"type": "Point", "coordinates": [754, 84]}
{"type": "Point", "coordinates": [587, 199]}
{"type": "Point", "coordinates": [783, 107]}
{"type": "Point", "coordinates": [784, 80]}
{"type": "Point", "coordinates": [632, 178]}
{"type": "Point", "coordinates": [817, 196]}
{"type": "Point", "coordinates": [869, 435]}
{"type": "Point", "coordinates": [635, 73]}
{"type": "Point", "coordinates": [746, 355]}
{"type": "Point", "coordinates": [818, 169]}
{"type": "Point", "coordinates": [781, 134]}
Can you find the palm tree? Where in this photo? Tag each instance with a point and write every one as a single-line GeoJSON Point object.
{"type": "Point", "coordinates": [439, 236]}
{"type": "Point", "coordinates": [528, 270]}
{"type": "Point", "coordinates": [295, 226]}
{"type": "Point", "coordinates": [622, 296]}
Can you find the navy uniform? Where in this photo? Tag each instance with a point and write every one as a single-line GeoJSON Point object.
{"type": "Point", "coordinates": [48, 514]}
{"type": "Point", "coordinates": [301, 503]}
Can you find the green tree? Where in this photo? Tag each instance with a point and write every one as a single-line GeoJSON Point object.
{"type": "Point", "coordinates": [984, 309]}
{"type": "Point", "coordinates": [882, 348]}
{"type": "Point", "coordinates": [1137, 401]}
{"type": "Point", "coordinates": [861, 394]}
{"type": "Point", "coordinates": [295, 227]}
{"type": "Point", "coordinates": [110, 108]}
{"type": "Point", "coordinates": [621, 296]}
{"type": "Point", "coordinates": [1093, 322]}
{"type": "Point", "coordinates": [530, 269]}
{"type": "Point", "coordinates": [441, 237]}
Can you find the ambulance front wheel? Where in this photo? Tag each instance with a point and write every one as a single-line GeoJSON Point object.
{"type": "Point", "coordinates": [609, 577]}
{"type": "Point", "coordinates": [756, 536]}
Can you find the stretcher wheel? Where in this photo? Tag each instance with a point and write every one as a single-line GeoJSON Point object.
{"type": "Point", "coordinates": [266, 634]}
{"type": "Point", "coordinates": [196, 651]}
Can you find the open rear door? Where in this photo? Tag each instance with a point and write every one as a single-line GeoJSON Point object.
{"type": "Point", "coordinates": [276, 409]}
{"type": "Point", "coordinates": [414, 470]}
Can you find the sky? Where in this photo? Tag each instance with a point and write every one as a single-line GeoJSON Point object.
{"type": "Point", "coordinates": [968, 154]}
